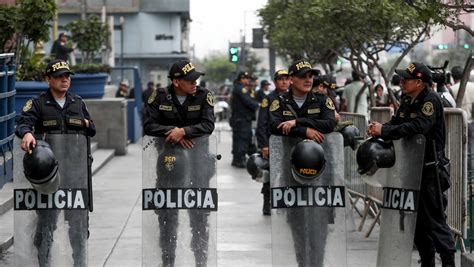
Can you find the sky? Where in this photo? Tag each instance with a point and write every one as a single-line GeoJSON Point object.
{"type": "Point", "coordinates": [215, 23]}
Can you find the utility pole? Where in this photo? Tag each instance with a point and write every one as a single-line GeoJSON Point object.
{"type": "Point", "coordinates": [83, 9]}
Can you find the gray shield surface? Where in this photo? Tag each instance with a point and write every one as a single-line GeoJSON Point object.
{"type": "Point", "coordinates": [51, 230]}
{"type": "Point", "coordinates": [308, 221]}
{"type": "Point", "coordinates": [401, 184]}
{"type": "Point", "coordinates": [179, 198]}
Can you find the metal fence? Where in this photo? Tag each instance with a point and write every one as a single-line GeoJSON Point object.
{"type": "Point", "coordinates": [382, 115]}
{"type": "Point", "coordinates": [353, 179]}
{"type": "Point", "coordinates": [456, 151]}
{"type": "Point", "coordinates": [7, 116]}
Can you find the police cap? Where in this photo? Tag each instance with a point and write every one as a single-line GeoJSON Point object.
{"type": "Point", "coordinates": [184, 70]}
{"type": "Point", "coordinates": [57, 68]}
{"type": "Point", "coordinates": [243, 75]}
{"type": "Point", "coordinates": [300, 67]}
{"type": "Point", "coordinates": [415, 71]}
{"type": "Point", "coordinates": [279, 74]}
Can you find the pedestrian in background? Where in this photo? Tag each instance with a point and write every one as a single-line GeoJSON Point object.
{"type": "Point", "coordinates": [60, 49]}
{"type": "Point", "coordinates": [122, 91]}
{"type": "Point", "coordinates": [358, 92]}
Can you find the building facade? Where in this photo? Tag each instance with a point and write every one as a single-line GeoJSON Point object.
{"type": "Point", "coordinates": [155, 32]}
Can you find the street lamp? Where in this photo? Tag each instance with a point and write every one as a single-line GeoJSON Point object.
{"type": "Point", "coordinates": [122, 22]}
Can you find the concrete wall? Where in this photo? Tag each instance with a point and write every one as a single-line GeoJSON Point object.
{"type": "Point", "coordinates": [110, 118]}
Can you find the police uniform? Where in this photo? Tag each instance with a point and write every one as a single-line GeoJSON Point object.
{"type": "Point", "coordinates": [263, 134]}
{"type": "Point", "coordinates": [317, 112]}
{"type": "Point", "coordinates": [244, 106]}
{"type": "Point", "coordinates": [425, 115]}
{"type": "Point", "coordinates": [42, 115]}
{"type": "Point", "coordinates": [163, 112]}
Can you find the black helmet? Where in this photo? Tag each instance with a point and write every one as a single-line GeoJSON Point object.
{"type": "Point", "coordinates": [256, 164]}
{"type": "Point", "coordinates": [307, 161]}
{"type": "Point", "coordinates": [375, 153]}
{"type": "Point", "coordinates": [41, 168]}
{"type": "Point", "coordinates": [350, 134]}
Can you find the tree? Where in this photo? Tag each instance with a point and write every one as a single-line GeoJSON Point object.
{"type": "Point", "coordinates": [24, 24]}
{"type": "Point", "coordinates": [357, 30]}
{"type": "Point", "coordinates": [90, 35]}
{"type": "Point", "coordinates": [251, 63]}
{"type": "Point", "coordinates": [445, 13]}
{"type": "Point", "coordinates": [217, 68]}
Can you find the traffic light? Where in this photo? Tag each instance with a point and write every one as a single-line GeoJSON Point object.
{"type": "Point", "coordinates": [234, 54]}
{"type": "Point", "coordinates": [443, 46]}
{"type": "Point", "coordinates": [467, 46]}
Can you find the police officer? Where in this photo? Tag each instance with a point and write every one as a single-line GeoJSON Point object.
{"type": "Point", "coordinates": [60, 112]}
{"type": "Point", "coordinates": [300, 112]}
{"type": "Point", "coordinates": [244, 106]}
{"type": "Point", "coordinates": [181, 112]}
{"type": "Point", "coordinates": [326, 84]}
{"type": "Point", "coordinates": [421, 112]}
{"type": "Point", "coordinates": [263, 91]}
{"type": "Point", "coordinates": [282, 82]}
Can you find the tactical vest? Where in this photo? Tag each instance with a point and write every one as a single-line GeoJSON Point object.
{"type": "Point", "coordinates": [53, 119]}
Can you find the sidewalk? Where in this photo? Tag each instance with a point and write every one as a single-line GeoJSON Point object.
{"type": "Point", "coordinates": [243, 234]}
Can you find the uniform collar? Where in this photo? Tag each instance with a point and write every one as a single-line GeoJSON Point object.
{"type": "Point", "coordinates": [50, 98]}
{"type": "Point", "coordinates": [420, 96]}
{"type": "Point", "coordinates": [309, 98]}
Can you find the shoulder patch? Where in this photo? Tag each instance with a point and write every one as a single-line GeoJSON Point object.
{"type": "Point", "coordinates": [427, 109]}
{"type": "Point", "coordinates": [252, 93]}
{"type": "Point", "coordinates": [210, 99]}
{"type": "Point", "coordinates": [28, 105]}
{"type": "Point", "coordinates": [244, 90]}
{"type": "Point", "coordinates": [152, 96]}
{"type": "Point", "coordinates": [275, 105]}
{"type": "Point", "coordinates": [330, 104]}
{"type": "Point", "coordinates": [264, 103]}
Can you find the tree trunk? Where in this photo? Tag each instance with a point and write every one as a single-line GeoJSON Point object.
{"type": "Point", "coordinates": [465, 78]}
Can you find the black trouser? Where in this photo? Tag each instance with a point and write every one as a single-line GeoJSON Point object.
{"type": "Point", "coordinates": [44, 235]}
{"type": "Point", "coordinates": [470, 147]}
{"type": "Point", "coordinates": [266, 194]}
{"type": "Point", "coordinates": [432, 233]}
{"type": "Point", "coordinates": [168, 220]}
{"type": "Point", "coordinates": [241, 138]}
{"type": "Point", "coordinates": [309, 228]}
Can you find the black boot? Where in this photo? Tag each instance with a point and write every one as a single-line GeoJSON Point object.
{"type": "Point", "coordinates": [428, 260]}
{"type": "Point", "coordinates": [447, 259]}
{"type": "Point", "coordinates": [238, 163]}
{"type": "Point", "coordinates": [266, 199]}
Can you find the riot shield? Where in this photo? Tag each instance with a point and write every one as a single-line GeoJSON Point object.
{"type": "Point", "coordinates": [401, 185]}
{"type": "Point", "coordinates": [308, 221]}
{"type": "Point", "coordinates": [178, 199]}
{"type": "Point", "coordinates": [51, 230]}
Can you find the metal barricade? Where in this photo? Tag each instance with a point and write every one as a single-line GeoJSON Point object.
{"type": "Point", "coordinates": [382, 115]}
{"type": "Point", "coordinates": [353, 179]}
{"type": "Point", "coordinates": [375, 194]}
{"type": "Point", "coordinates": [7, 116]}
{"type": "Point", "coordinates": [355, 186]}
{"type": "Point", "coordinates": [456, 151]}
